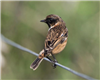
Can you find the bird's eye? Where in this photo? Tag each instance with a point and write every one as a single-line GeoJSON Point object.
{"type": "Point", "coordinates": [51, 20]}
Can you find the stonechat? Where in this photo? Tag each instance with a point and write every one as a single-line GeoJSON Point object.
{"type": "Point", "coordinates": [55, 41]}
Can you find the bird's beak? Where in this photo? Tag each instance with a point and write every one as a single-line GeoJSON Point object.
{"type": "Point", "coordinates": [43, 20]}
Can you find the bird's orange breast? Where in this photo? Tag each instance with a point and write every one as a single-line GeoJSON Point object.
{"type": "Point", "coordinates": [59, 47]}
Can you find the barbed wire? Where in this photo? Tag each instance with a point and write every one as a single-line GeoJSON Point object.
{"type": "Point", "coordinates": [29, 51]}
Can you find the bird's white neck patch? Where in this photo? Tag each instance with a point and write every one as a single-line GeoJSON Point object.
{"type": "Point", "coordinates": [50, 28]}
{"type": "Point", "coordinates": [53, 26]}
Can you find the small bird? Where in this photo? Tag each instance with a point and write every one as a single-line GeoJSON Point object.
{"type": "Point", "coordinates": [55, 41]}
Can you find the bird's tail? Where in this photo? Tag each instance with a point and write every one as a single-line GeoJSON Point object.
{"type": "Point", "coordinates": [38, 60]}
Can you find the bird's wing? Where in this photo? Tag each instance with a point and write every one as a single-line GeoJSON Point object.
{"type": "Point", "coordinates": [54, 38]}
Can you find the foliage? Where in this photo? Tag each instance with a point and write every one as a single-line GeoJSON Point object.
{"type": "Point", "coordinates": [20, 22]}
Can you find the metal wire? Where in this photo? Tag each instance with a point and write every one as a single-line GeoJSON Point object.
{"type": "Point", "coordinates": [29, 51]}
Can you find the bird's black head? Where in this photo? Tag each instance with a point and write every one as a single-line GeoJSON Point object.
{"type": "Point", "coordinates": [51, 20]}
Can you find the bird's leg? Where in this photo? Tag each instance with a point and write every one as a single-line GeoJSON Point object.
{"type": "Point", "coordinates": [54, 58]}
{"type": "Point", "coordinates": [53, 62]}
{"type": "Point", "coordinates": [54, 65]}
{"type": "Point", "coordinates": [50, 59]}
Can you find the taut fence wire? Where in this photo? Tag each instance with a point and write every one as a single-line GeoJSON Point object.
{"type": "Point", "coordinates": [29, 51]}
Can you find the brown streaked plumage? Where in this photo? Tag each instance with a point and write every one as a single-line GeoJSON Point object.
{"type": "Point", "coordinates": [56, 39]}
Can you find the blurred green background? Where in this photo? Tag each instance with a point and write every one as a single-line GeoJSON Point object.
{"type": "Point", "coordinates": [20, 22]}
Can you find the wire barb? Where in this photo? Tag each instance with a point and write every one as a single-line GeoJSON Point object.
{"type": "Point", "coordinates": [29, 51]}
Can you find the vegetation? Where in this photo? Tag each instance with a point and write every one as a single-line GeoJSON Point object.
{"type": "Point", "coordinates": [20, 22]}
